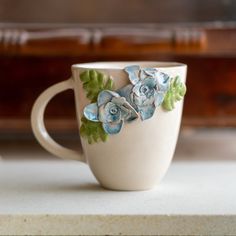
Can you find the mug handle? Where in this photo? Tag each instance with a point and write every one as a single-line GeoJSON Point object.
{"type": "Point", "coordinates": [38, 127]}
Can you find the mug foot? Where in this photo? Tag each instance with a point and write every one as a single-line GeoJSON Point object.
{"type": "Point", "coordinates": [128, 188]}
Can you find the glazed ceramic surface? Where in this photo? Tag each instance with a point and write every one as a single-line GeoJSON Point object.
{"type": "Point", "coordinates": [136, 157]}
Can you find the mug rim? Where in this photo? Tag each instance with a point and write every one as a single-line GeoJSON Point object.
{"type": "Point", "coordinates": [120, 65]}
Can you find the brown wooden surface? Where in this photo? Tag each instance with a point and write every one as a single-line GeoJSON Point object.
{"type": "Point", "coordinates": [33, 59]}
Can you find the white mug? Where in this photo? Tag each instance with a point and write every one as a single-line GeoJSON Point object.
{"type": "Point", "coordinates": [131, 117]}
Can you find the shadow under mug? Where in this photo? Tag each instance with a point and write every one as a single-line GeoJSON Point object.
{"type": "Point", "coordinates": [139, 155]}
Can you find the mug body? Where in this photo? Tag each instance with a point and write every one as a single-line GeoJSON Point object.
{"type": "Point", "coordinates": [139, 155]}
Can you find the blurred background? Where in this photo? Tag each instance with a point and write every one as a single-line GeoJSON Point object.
{"type": "Point", "coordinates": [40, 40]}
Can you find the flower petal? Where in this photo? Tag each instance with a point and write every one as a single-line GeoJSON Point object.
{"type": "Point", "coordinates": [125, 91]}
{"type": "Point", "coordinates": [128, 112]}
{"type": "Point", "coordinates": [163, 81]}
{"type": "Point", "coordinates": [102, 116]}
{"type": "Point", "coordinates": [91, 112]}
{"type": "Point", "coordinates": [159, 97]}
{"type": "Point", "coordinates": [112, 128]}
{"type": "Point", "coordinates": [148, 72]}
{"type": "Point", "coordinates": [146, 112]}
{"type": "Point", "coordinates": [141, 101]}
{"type": "Point", "coordinates": [133, 116]}
{"type": "Point", "coordinates": [129, 96]}
{"type": "Point", "coordinates": [118, 100]}
{"type": "Point", "coordinates": [133, 72]}
{"type": "Point", "coordinates": [136, 88]}
{"type": "Point", "coordinates": [105, 96]}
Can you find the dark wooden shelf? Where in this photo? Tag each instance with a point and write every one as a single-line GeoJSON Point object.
{"type": "Point", "coordinates": [33, 57]}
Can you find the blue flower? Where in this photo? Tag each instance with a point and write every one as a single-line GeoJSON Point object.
{"type": "Point", "coordinates": [146, 91]}
{"type": "Point", "coordinates": [112, 110]}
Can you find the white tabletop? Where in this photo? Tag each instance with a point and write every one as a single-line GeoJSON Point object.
{"type": "Point", "coordinates": [59, 197]}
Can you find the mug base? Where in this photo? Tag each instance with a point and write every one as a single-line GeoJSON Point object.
{"type": "Point", "coordinates": [128, 189]}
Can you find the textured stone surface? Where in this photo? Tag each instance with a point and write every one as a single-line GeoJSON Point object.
{"type": "Point", "coordinates": [58, 197]}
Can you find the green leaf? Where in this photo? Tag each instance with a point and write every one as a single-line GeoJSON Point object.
{"type": "Point", "coordinates": [92, 131]}
{"type": "Point", "coordinates": [84, 77]}
{"type": "Point", "coordinates": [94, 82]}
{"type": "Point", "coordinates": [175, 93]}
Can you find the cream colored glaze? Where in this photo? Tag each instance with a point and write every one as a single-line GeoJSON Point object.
{"type": "Point", "coordinates": [136, 158]}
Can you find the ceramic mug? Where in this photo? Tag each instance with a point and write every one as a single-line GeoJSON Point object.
{"type": "Point", "coordinates": [129, 115]}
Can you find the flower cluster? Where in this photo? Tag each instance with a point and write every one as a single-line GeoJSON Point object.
{"type": "Point", "coordinates": [112, 110]}
{"type": "Point", "coordinates": [147, 90]}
